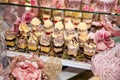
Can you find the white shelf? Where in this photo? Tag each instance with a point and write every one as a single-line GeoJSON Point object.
{"type": "Point", "coordinates": [69, 63]}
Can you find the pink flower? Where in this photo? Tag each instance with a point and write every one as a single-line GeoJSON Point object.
{"type": "Point", "coordinates": [27, 71]}
{"type": "Point", "coordinates": [102, 39]}
{"type": "Point", "coordinates": [27, 17]}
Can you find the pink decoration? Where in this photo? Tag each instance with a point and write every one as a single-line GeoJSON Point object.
{"type": "Point", "coordinates": [27, 71]}
{"type": "Point", "coordinates": [107, 64]}
{"type": "Point", "coordinates": [102, 39]}
{"type": "Point", "coordinates": [87, 8]}
{"type": "Point", "coordinates": [28, 16]}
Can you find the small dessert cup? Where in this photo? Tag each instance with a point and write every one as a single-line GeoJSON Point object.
{"type": "Point", "coordinates": [10, 39]}
{"type": "Point", "coordinates": [89, 50]}
{"type": "Point", "coordinates": [22, 44]}
{"type": "Point", "coordinates": [73, 4]}
{"type": "Point", "coordinates": [57, 15]}
{"type": "Point", "coordinates": [73, 47]}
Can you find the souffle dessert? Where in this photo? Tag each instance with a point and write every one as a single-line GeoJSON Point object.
{"type": "Point", "coordinates": [32, 42]}
{"type": "Point", "coordinates": [10, 39]}
{"type": "Point", "coordinates": [45, 43]}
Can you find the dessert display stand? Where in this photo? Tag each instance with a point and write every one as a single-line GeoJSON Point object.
{"type": "Point", "coordinates": [74, 67]}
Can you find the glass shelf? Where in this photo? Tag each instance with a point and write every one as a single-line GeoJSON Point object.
{"type": "Point", "coordinates": [11, 4]}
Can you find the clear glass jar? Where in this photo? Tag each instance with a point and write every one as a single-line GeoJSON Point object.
{"type": "Point", "coordinates": [4, 61]}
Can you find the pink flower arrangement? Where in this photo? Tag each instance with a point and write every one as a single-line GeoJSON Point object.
{"type": "Point", "coordinates": [27, 71]}
{"type": "Point", "coordinates": [28, 16]}
{"type": "Point", "coordinates": [102, 39]}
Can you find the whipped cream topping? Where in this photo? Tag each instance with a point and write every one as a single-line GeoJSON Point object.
{"type": "Point", "coordinates": [59, 25]}
{"type": "Point", "coordinates": [24, 27]}
{"type": "Point", "coordinates": [82, 26]}
{"type": "Point", "coordinates": [58, 41]}
{"type": "Point", "coordinates": [73, 44]}
{"type": "Point", "coordinates": [69, 25]}
{"type": "Point", "coordinates": [35, 21]}
{"type": "Point", "coordinates": [45, 39]}
{"type": "Point", "coordinates": [48, 23]}
{"type": "Point", "coordinates": [32, 38]}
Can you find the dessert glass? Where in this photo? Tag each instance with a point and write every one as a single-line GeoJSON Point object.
{"type": "Point", "coordinates": [57, 15]}
{"type": "Point", "coordinates": [76, 18]}
{"type": "Point", "coordinates": [73, 47]}
{"type": "Point", "coordinates": [45, 3]}
{"type": "Point", "coordinates": [46, 14]}
{"type": "Point", "coordinates": [10, 39]}
{"type": "Point", "coordinates": [67, 16]}
{"type": "Point", "coordinates": [105, 5]}
{"type": "Point", "coordinates": [73, 4]}
{"type": "Point", "coordinates": [22, 44]}
{"type": "Point", "coordinates": [89, 49]}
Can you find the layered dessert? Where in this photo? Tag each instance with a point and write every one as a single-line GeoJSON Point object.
{"type": "Point", "coordinates": [45, 43]}
{"type": "Point", "coordinates": [83, 40]}
{"type": "Point", "coordinates": [89, 48]}
{"type": "Point", "coordinates": [57, 15]}
{"type": "Point", "coordinates": [22, 39]}
{"type": "Point", "coordinates": [39, 32]}
{"type": "Point", "coordinates": [32, 42]}
{"type": "Point", "coordinates": [82, 29]}
{"type": "Point", "coordinates": [76, 18]}
{"type": "Point", "coordinates": [73, 4]}
{"type": "Point", "coordinates": [35, 23]}
{"type": "Point", "coordinates": [58, 44]}
{"type": "Point", "coordinates": [69, 31]}
{"type": "Point", "coordinates": [10, 39]}
{"type": "Point", "coordinates": [83, 33]}
{"type": "Point", "coordinates": [24, 29]}
{"type": "Point", "coordinates": [73, 47]}
{"type": "Point", "coordinates": [105, 5]}
{"type": "Point", "coordinates": [48, 26]}
{"type": "Point", "coordinates": [87, 17]}
{"type": "Point", "coordinates": [22, 44]}
{"type": "Point", "coordinates": [46, 14]}
{"type": "Point", "coordinates": [67, 16]}
{"type": "Point", "coordinates": [46, 3]}
{"type": "Point", "coordinates": [58, 29]}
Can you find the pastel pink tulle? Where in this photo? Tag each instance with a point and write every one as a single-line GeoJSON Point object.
{"type": "Point", "coordinates": [27, 71]}
{"type": "Point", "coordinates": [107, 64]}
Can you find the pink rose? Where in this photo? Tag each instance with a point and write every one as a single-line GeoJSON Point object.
{"type": "Point", "coordinates": [27, 71]}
